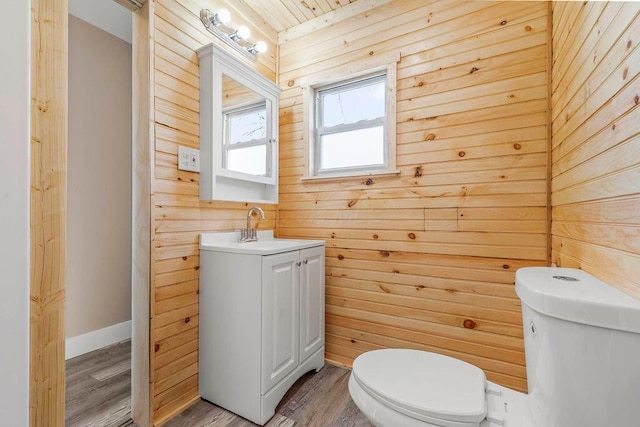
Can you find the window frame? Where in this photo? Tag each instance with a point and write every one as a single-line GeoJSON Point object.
{"type": "Point", "coordinates": [320, 130]}
{"type": "Point", "coordinates": [310, 106]}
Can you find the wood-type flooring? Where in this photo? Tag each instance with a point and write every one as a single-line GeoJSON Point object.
{"type": "Point", "coordinates": [315, 400]}
{"type": "Point", "coordinates": [98, 388]}
{"type": "Point", "coordinates": [99, 384]}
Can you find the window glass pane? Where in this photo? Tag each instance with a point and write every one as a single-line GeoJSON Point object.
{"type": "Point", "coordinates": [353, 105]}
{"type": "Point", "coordinates": [249, 160]}
{"type": "Point", "coordinates": [362, 147]}
{"type": "Point", "coordinates": [247, 125]}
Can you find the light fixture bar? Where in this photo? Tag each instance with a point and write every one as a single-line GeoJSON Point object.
{"type": "Point", "coordinates": [237, 39]}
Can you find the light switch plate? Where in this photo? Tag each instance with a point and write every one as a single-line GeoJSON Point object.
{"type": "Point", "coordinates": [188, 159]}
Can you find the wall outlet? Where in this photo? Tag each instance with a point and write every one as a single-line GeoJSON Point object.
{"type": "Point", "coordinates": [188, 159]}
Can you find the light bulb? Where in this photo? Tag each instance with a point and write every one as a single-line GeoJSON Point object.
{"type": "Point", "coordinates": [243, 32]}
{"type": "Point", "coordinates": [223, 16]}
{"type": "Point", "coordinates": [260, 47]}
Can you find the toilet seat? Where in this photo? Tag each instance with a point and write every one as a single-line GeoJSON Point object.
{"type": "Point", "coordinates": [427, 386]}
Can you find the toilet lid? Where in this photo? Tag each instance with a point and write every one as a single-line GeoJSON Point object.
{"type": "Point", "coordinates": [423, 383]}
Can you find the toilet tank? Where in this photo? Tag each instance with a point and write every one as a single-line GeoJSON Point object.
{"type": "Point", "coordinates": [582, 347]}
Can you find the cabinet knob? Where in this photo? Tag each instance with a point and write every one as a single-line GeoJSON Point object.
{"type": "Point", "coordinates": [298, 263]}
{"type": "Point", "coordinates": [306, 261]}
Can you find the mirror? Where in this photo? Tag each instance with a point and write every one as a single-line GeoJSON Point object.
{"type": "Point", "coordinates": [244, 113]}
{"type": "Point", "coordinates": [238, 130]}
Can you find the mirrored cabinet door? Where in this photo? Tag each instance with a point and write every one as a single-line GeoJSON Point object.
{"type": "Point", "coordinates": [245, 145]}
{"type": "Point", "coordinates": [238, 130]}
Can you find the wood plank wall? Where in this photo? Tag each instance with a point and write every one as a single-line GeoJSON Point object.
{"type": "Point", "coordinates": [49, 94]}
{"type": "Point", "coordinates": [178, 216]}
{"type": "Point", "coordinates": [426, 260]}
{"type": "Point", "coordinates": [596, 140]}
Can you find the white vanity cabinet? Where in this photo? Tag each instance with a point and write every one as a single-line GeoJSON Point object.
{"type": "Point", "coordinates": [311, 302]}
{"type": "Point", "coordinates": [261, 321]}
{"type": "Point", "coordinates": [293, 311]}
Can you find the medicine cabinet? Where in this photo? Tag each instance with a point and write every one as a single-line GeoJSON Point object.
{"type": "Point", "coordinates": [238, 130]}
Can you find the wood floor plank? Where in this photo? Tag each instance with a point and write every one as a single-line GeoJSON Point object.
{"type": "Point", "coordinates": [113, 370]}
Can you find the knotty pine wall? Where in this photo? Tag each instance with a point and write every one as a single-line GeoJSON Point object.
{"type": "Point", "coordinates": [596, 140]}
{"type": "Point", "coordinates": [426, 260]}
{"type": "Point", "coordinates": [178, 216]}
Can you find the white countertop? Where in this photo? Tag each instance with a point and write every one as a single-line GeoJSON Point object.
{"type": "Point", "coordinates": [266, 244]}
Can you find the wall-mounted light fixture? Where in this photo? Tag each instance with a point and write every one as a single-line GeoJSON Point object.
{"type": "Point", "coordinates": [217, 24]}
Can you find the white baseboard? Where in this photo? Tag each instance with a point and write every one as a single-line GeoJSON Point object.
{"type": "Point", "coordinates": [85, 343]}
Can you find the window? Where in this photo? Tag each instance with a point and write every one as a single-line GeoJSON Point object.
{"type": "Point", "coordinates": [245, 139]}
{"type": "Point", "coordinates": [350, 134]}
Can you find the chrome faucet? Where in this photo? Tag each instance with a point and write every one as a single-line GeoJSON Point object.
{"type": "Point", "coordinates": [251, 234]}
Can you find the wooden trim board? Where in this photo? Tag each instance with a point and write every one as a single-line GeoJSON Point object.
{"type": "Point", "coordinates": [143, 140]}
{"type": "Point", "coordinates": [49, 93]}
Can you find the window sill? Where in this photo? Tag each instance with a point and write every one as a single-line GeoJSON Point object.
{"type": "Point", "coordinates": [335, 177]}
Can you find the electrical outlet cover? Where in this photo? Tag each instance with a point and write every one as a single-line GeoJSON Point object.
{"type": "Point", "coordinates": [188, 159]}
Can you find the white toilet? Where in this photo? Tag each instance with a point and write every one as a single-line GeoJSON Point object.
{"type": "Point", "coordinates": [582, 348]}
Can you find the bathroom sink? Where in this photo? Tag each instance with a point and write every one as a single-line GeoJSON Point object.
{"type": "Point", "coordinates": [266, 244]}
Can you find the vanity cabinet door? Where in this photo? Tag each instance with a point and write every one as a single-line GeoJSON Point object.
{"type": "Point", "coordinates": [280, 316]}
{"type": "Point", "coordinates": [311, 301]}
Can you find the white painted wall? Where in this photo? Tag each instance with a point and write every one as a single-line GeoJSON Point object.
{"type": "Point", "coordinates": [98, 288]}
{"type": "Point", "coordinates": [14, 212]}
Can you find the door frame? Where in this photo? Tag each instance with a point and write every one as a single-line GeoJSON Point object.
{"type": "Point", "coordinates": [48, 213]}
{"type": "Point", "coordinates": [143, 140]}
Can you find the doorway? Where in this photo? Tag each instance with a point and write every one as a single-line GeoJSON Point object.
{"type": "Point", "coordinates": [98, 280]}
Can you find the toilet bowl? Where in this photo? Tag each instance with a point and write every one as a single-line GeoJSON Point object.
{"type": "Point", "coordinates": [400, 387]}
{"type": "Point", "coordinates": [582, 338]}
